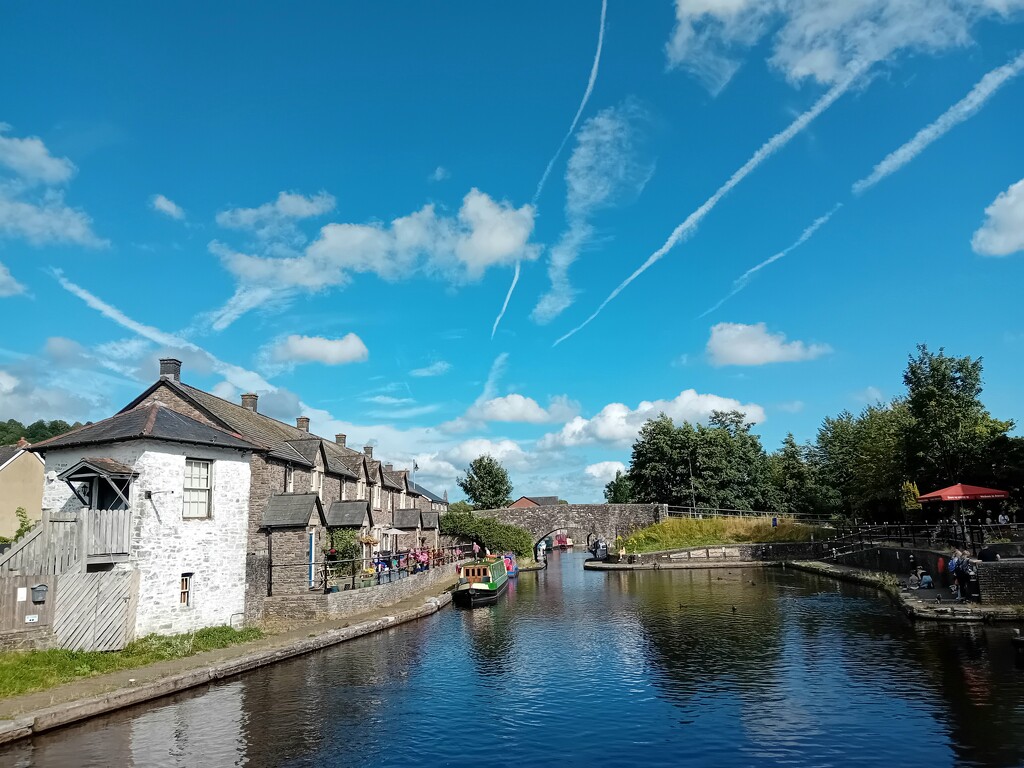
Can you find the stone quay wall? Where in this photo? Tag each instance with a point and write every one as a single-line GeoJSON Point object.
{"type": "Point", "coordinates": [1001, 582]}
{"type": "Point", "coordinates": [337, 605]}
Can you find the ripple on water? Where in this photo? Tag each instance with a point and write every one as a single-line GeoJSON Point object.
{"type": "Point", "coordinates": [573, 668]}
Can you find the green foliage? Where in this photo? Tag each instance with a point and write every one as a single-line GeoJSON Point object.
{"type": "Point", "coordinates": [720, 465]}
{"type": "Point", "coordinates": [12, 430]}
{"type": "Point", "coordinates": [950, 428]}
{"type": "Point", "coordinates": [460, 507]}
{"type": "Point", "coordinates": [681, 533]}
{"type": "Point", "coordinates": [487, 532]}
{"type": "Point", "coordinates": [25, 525]}
{"type": "Point", "coordinates": [619, 490]}
{"type": "Point", "coordinates": [25, 671]}
{"type": "Point", "coordinates": [795, 480]}
{"type": "Point", "coordinates": [486, 483]}
{"type": "Point", "coordinates": [909, 495]}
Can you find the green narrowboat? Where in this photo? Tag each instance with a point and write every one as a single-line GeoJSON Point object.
{"type": "Point", "coordinates": [481, 582]}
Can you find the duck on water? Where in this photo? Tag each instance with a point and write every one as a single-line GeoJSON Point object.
{"type": "Point", "coordinates": [481, 582]}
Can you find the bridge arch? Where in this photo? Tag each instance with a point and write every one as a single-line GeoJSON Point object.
{"type": "Point", "coordinates": [604, 521]}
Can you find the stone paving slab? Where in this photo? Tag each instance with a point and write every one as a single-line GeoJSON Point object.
{"type": "Point", "coordinates": [31, 713]}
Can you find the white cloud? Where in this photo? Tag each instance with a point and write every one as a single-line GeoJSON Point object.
{"type": "Point", "coordinates": [604, 471]}
{"type": "Point", "coordinates": [8, 285]}
{"type": "Point", "coordinates": [517, 408]}
{"type": "Point", "coordinates": [792, 406]}
{"type": "Point", "coordinates": [167, 207]}
{"type": "Point", "coordinates": [815, 38]}
{"type": "Point", "coordinates": [1002, 233]}
{"type": "Point", "coordinates": [439, 368]}
{"type": "Point", "coordinates": [739, 344]}
{"type": "Point", "coordinates": [617, 424]}
{"type": "Point", "coordinates": [31, 160]}
{"type": "Point", "coordinates": [406, 413]}
{"type": "Point", "coordinates": [869, 395]}
{"type": "Point", "coordinates": [967, 107]}
{"type": "Point", "coordinates": [484, 234]}
{"type": "Point", "coordinates": [295, 349]}
{"type": "Point", "coordinates": [604, 167]}
{"type": "Point", "coordinates": [508, 452]}
{"type": "Point", "coordinates": [440, 174]}
{"type": "Point", "coordinates": [32, 205]}
{"type": "Point", "coordinates": [267, 218]}
{"type": "Point", "coordinates": [389, 400]}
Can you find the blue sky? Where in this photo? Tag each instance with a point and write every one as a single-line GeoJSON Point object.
{"type": "Point", "coordinates": [326, 204]}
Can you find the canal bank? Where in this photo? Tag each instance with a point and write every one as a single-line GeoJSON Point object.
{"type": "Point", "coordinates": [34, 713]}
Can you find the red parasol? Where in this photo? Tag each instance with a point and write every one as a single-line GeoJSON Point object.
{"type": "Point", "coordinates": [961, 492]}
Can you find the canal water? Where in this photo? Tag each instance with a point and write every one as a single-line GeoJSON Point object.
{"type": "Point", "coordinates": [725, 667]}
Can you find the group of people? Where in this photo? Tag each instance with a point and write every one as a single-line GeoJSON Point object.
{"type": "Point", "coordinates": [920, 579]}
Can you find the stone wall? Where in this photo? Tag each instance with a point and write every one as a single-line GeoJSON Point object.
{"type": "Point", "coordinates": [342, 604]}
{"type": "Point", "coordinates": [603, 520]}
{"type": "Point", "coordinates": [899, 561]}
{"type": "Point", "coordinates": [27, 640]}
{"type": "Point", "coordinates": [738, 552]}
{"type": "Point", "coordinates": [290, 559]}
{"type": "Point", "coordinates": [170, 398]}
{"type": "Point", "coordinates": [1002, 582]}
{"type": "Point", "coordinates": [164, 545]}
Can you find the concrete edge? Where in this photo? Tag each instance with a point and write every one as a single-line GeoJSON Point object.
{"type": "Point", "coordinates": [57, 716]}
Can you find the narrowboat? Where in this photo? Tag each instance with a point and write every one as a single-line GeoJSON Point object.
{"type": "Point", "coordinates": [511, 566]}
{"type": "Point", "coordinates": [481, 582]}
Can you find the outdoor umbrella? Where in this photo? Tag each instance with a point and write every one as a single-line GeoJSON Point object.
{"type": "Point", "coordinates": [961, 492]}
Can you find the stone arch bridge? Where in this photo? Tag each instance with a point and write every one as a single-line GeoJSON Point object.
{"type": "Point", "coordinates": [604, 521]}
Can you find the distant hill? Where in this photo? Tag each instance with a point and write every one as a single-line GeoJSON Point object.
{"type": "Point", "coordinates": [13, 430]}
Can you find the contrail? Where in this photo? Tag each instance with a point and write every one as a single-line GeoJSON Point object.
{"type": "Point", "coordinates": [967, 107]}
{"type": "Point", "coordinates": [741, 282]}
{"type": "Point", "coordinates": [554, 157]}
{"type": "Point", "coordinates": [769, 148]}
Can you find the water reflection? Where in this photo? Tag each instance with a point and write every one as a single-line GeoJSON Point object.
{"type": "Point", "coordinates": [729, 666]}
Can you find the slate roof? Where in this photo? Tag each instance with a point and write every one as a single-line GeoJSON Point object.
{"type": "Point", "coordinates": [417, 488]}
{"type": "Point", "coordinates": [151, 422]}
{"type": "Point", "coordinates": [291, 510]}
{"type": "Point", "coordinates": [392, 480]}
{"type": "Point", "coordinates": [430, 520]}
{"type": "Point", "coordinates": [8, 452]}
{"type": "Point", "coordinates": [349, 514]}
{"type": "Point", "coordinates": [341, 463]}
{"type": "Point", "coordinates": [407, 519]}
{"type": "Point", "coordinates": [543, 501]}
{"type": "Point", "coordinates": [104, 465]}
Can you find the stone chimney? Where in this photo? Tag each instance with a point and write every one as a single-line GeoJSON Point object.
{"type": "Point", "coordinates": [389, 467]}
{"type": "Point", "coordinates": [302, 422]}
{"type": "Point", "coordinates": [249, 400]}
{"type": "Point", "coordinates": [170, 368]}
{"type": "Point", "coordinates": [339, 439]}
{"type": "Point", "coordinates": [368, 450]}
{"type": "Point", "coordinates": [23, 443]}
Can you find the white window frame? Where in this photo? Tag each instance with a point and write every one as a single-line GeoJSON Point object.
{"type": "Point", "coordinates": [316, 483]}
{"type": "Point", "coordinates": [360, 489]}
{"type": "Point", "coordinates": [376, 496]}
{"type": "Point", "coordinates": [289, 479]}
{"type": "Point", "coordinates": [344, 489]}
{"type": "Point", "coordinates": [191, 494]}
{"type": "Point", "coordinates": [185, 594]}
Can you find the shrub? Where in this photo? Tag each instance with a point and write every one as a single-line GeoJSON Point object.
{"type": "Point", "coordinates": [487, 532]}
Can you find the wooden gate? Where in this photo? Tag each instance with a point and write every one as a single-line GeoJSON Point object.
{"type": "Point", "coordinates": [96, 611]}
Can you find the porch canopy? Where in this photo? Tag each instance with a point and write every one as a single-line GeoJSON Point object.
{"type": "Point", "coordinates": [83, 480]}
{"type": "Point", "coordinates": [962, 492]}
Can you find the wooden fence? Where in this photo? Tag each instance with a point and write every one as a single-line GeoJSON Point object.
{"type": "Point", "coordinates": [57, 543]}
{"type": "Point", "coordinates": [17, 609]}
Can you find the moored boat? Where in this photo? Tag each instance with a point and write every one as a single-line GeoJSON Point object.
{"type": "Point", "coordinates": [481, 582]}
{"type": "Point", "coordinates": [511, 566]}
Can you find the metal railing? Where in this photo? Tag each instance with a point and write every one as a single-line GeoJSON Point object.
{"type": "Point", "coordinates": [965, 535]}
{"type": "Point", "coordinates": [338, 575]}
{"type": "Point", "coordinates": [706, 512]}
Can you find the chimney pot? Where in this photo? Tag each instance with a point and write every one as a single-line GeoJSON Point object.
{"type": "Point", "coordinates": [339, 439]}
{"type": "Point", "coordinates": [302, 422]}
{"type": "Point", "coordinates": [368, 450]}
{"type": "Point", "coordinates": [389, 467]}
{"type": "Point", "coordinates": [249, 400]}
{"type": "Point", "coordinates": [170, 368]}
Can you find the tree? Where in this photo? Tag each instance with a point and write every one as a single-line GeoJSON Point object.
{"type": "Point", "coordinates": [951, 430]}
{"type": "Point", "coordinates": [619, 490]}
{"type": "Point", "coordinates": [794, 478]}
{"type": "Point", "coordinates": [13, 430]}
{"type": "Point", "coordinates": [658, 463]}
{"type": "Point", "coordinates": [486, 483]}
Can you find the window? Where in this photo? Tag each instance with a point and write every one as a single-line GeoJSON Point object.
{"type": "Point", "coordinates": [344, 490]}
{"type": "Point", "coordinates": [186, 590]}
{"type": "Point", "coordinates": [197, 488]}
{"type": "Point", "coordinates": [289, 479]}
{"type": "Point", "coordinates": [316, 483]}
{"type": "Point", "coordinates": [376, 497]}
{"type": "Point", "coordinates": [360, 489]}
{"type": "Point", "coordinates": [312, 559]}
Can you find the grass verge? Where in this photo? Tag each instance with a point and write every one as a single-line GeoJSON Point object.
{"type": "Point", "coordinates": [27, 671]}
{"type": "Point", "coordinates": [680, 533]}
